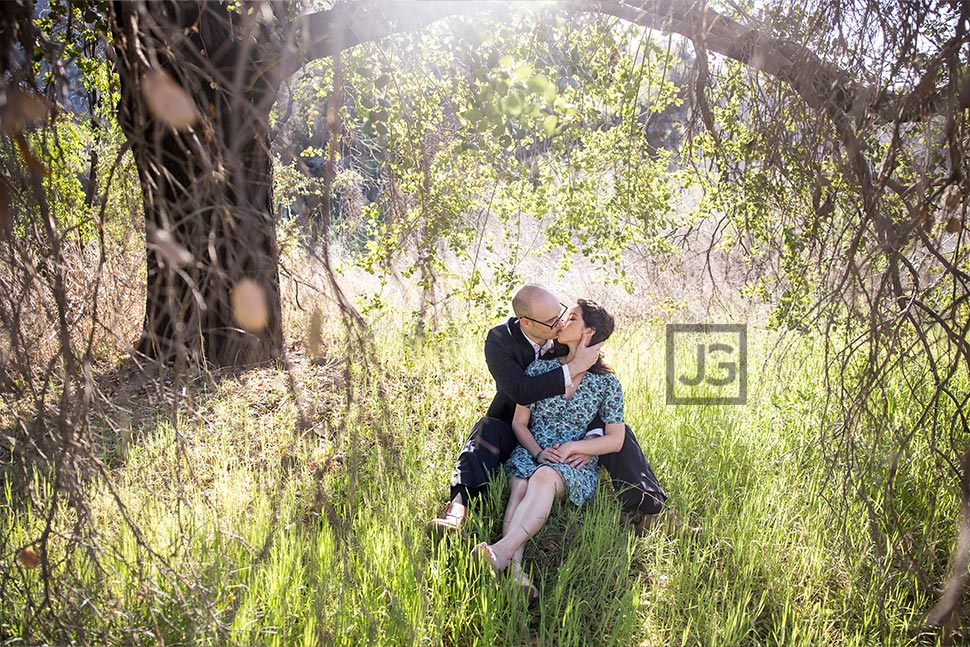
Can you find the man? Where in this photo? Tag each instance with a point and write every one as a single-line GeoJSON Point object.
{"type": "Point", "coordinates": [509, 349]}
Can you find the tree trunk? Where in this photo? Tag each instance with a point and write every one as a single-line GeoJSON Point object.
{"type": "Point", "coordinates": [195, 99]}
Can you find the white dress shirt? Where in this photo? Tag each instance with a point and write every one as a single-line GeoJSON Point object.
{"type": "Point", "coordinates": [542, 348]}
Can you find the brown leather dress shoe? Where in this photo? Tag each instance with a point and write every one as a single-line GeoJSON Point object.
{"type": "Point", "coordinates": [451, 519]}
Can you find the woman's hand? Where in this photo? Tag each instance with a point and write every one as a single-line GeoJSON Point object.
{"type": "Point", "coordinates": [549, 455]}
{"type": "Point", "coordinates": [570, 456]}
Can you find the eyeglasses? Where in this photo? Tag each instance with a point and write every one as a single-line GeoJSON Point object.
{"type": "Point", "coordinates": [555, 321]}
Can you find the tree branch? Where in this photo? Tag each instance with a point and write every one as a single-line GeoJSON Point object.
{"type": "Point", "coordinates": [816, 81]}
{"type": "Point", "coordinates": [323, 34]}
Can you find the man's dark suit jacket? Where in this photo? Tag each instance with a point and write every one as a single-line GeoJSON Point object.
{"type": "Point", "coordinates": [507, 354]}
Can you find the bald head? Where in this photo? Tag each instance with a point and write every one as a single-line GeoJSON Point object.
{"type": "Point", "coordinates": [534, 301]}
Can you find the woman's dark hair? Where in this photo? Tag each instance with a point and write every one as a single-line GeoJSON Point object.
{"type": "Point", "coordinates": [596, 316]}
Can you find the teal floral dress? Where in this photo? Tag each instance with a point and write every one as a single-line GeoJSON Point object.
{"type": "Point", "coordinates": [558, 420]}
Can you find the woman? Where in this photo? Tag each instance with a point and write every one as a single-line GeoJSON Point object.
{"type": "Point", "coordinates": [551, 435]}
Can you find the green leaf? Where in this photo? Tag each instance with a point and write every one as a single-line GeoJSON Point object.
{"type": "Point", "coordinates": [550, 94]}
{"type": "Point", "coordinates": [513, 105]}
{"type": "Point", "coordinates": [474, 115]}
{"type": "Point", "coordinates": [538, 83]}
{"type": "Point", "coordinates": [549, 125]}
{"type": "Point", "coordinates": [523, 72]}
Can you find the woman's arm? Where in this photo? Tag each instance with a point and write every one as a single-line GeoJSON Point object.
{"type": "Point", "coordinates": [610, 442]}
{"type": "Point", "coordinates": [520, 426]}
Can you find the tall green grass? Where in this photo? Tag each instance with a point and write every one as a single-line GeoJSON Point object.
{"type": "Point", "coordinates": [239, 526]}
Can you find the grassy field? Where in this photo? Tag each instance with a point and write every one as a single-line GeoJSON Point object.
{"type": "Point", "coordinates": [246, 514]}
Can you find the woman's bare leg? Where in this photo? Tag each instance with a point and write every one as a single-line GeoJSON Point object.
{"type": "Point", "coordinates": [530, 515]}
{"type": "Point", "coordinates": [517, 489]}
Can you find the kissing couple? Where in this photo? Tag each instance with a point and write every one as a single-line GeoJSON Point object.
{"type": "Point", "coordinates": [556, 417]}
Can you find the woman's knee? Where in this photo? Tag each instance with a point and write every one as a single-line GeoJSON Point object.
{"type": "Point", "coordinates": [517, 488]}
{"type": "Point", "coordinates": [548, 477]}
